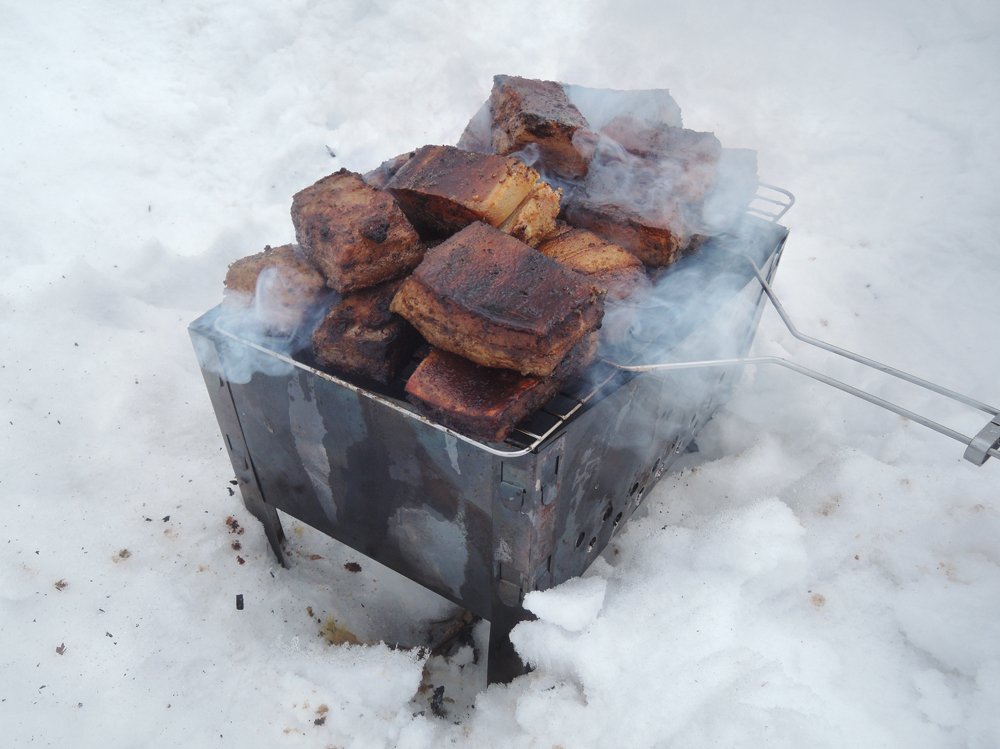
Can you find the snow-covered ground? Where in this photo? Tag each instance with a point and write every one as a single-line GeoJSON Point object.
{"type": "Point", "coordinates": [822, 574]}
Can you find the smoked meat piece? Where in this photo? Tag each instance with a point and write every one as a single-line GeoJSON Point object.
{"type": "Point", "coordinates": [488, 297]}
{"type": "Point", "coordinates": [360, 336]}
{"type": "Point", "coordinates": [604, 263]}
{"type": "Point", "coordinates": [526, 112]}
{"type": "Point", "coordinates": [655, 241]}
{"type": "Point", "coordinates": [355, 234]}
{"type": "Point", "coordinates": [486, 403]}
{"type": "Point", "coordinates": [443, 189]}
{"type": "Point", "coordinates": [278, 284]}
{"type": "Point", "coordinates": [379, 176]}
{"type": "Point", "coordinates": [688, 158]}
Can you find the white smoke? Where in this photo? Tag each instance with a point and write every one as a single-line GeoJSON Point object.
{"type": "Point", "coordinates": [260, 332]}
{"type": "Point", "coordinates": [601, 105]}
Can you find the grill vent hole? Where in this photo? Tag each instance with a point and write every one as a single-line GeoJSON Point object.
{"type": "Point", "coordinates": [618, 520]}
{"type": "Point", "coordinates": [579, 539]}
{"type": "Point", "coordinates": [592, 544]}
{"type": "Point", "coordinates": [634, 489]}
{"type": "Point", "coordinates": [607, 514]}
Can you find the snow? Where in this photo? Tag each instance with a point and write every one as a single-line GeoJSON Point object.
{"type": "Point", "coordinates": [822, 573]}
{"type": "Point", "coordinates": [573, 605]}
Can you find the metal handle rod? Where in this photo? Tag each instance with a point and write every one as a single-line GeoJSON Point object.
{"type": "Point", "coordinates": [781, 362]}
{"type": "Point", "coordinates": [919, 381]}
{"type": "Point", "coordinates": [985, 444]}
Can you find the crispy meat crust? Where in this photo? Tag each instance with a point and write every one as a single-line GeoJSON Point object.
{"type": "Point", "coordinates": [486, 403]}
{"type": "Point", "coordinates": [689, 156]}
{"type": "Point", "coordinates": [526, 111]}
{"type": "Point", "coordinates": [492, 299]}
{"type": "Point", "coordinates": [356, 235]}
{"type": "Point", "coordinates": [606, 264]}
{"type": "Point", "coordinates": [379, 176]}
{"type": "Point", "coordinates": [656, 243]}
{"type": "Point", "coordinates": [443, 189]}
{"type": "Point", "coordinates": [360, 335]}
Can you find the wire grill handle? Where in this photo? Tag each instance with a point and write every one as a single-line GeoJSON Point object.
{"type": "Point", "coordinates": [984, 445]}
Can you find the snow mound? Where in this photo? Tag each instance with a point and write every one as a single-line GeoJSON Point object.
{"type": "Point", "coordinates": [572, 605]}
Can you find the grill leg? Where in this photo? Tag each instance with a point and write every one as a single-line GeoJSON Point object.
{"type": "Point", "coordinates": [268, 517]}
{"type": "Point", "coordinates": [221, 394]}
{"type": "Point", "coordinates": [503, 664]}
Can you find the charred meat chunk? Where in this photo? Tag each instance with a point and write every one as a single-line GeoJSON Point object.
{"type": "Point", "coordinates": [360, 335]}
{"type": "Point", "coordinates": [606, 264]}
{"type": "Point", "coordinates": [379, 176]}
{"type": "Point", "coordinates": [526, 112]}
{"type": "Point", "coordinates": [355, 234]}
{"type": "Point", "coordinates": [443, 189]}
{"type": "Point", "coordinates": [279, 284]}
{"type": "Point", "coordinates": [688, 158]}
{"type": "Point", "coordinates": [486, 403]}
{"type": "Point", "coordinates": [488, 297]}
{"type": "Point", "coordinates": [656, 241]}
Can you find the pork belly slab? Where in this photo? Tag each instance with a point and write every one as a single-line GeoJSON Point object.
{"type": "Point", "coordinates": [355, 234]}
{"type": "Point", "coordinates": [360, 335]}
{"type": "Point", "coordinates": [488, 297]}
{"type": "Point", "coordinates": [606, 264]}
{"type": "Point", "coordinates": [526, 112]}
{"type": "Point", "coordinates": [443, 189]}
{"type": "Point", "coordinates": [379, 176]}
{"type": "Point", "coordinates": [486, 403]}
{"type": "Point", "coordinates": [656, 241]}
{"type": "Point", "coordinates": [688, 158]}
{"type": "Point", "coordinates": [278, 283]}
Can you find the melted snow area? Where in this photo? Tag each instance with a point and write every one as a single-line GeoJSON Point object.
{"type": "Point", "coordinates": [821, 574]}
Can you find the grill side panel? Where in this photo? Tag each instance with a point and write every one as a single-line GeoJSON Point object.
{"type": "Point", "coordinates": [409, 496]}
{"type": "Point", "coordinates": [620, 447]}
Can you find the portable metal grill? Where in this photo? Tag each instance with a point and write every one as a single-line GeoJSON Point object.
{"type": "Point", "coordinates": [482, 524]}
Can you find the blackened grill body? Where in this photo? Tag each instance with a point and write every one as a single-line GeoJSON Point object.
{"type": "Point", "coordinates": [478, 528]}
